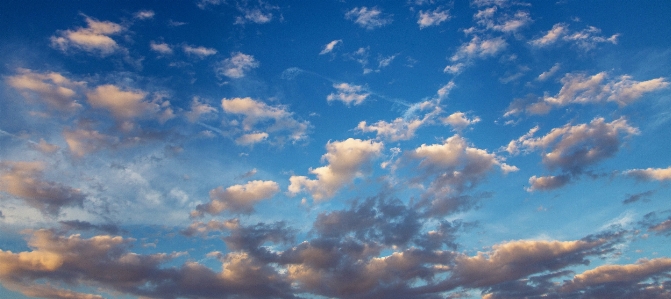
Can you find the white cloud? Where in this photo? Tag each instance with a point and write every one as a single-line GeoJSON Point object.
{"type": "Point", "coordinates": [585, 39]}
{"type": "Point", "coordinates": [198, 109]}
{"type": "Point", "coordinates": [550, 182]}
{"type": "Point", "coordinates": [122, 103]}
{"type": "Point", "coordinates": [657, 174]}
{"type": "Point", "coordinates": [200, 52]}
{"type": "Point", "coordinates": [255, 16]}
{"type": "Point", "coordinates": [85, 141]}
{"type": "Point", "coordinates": [432, 18]}
{"type": "Point", "coordinates": [385, 61]}
{"type": "Point", "coordinates": [459, 120]}
{"type": "Point", "coordinates": [348, 94]}
{"type": "Point", "coordinates": [161, 48]}
{"type": "Point", "coordinates": [237, 198]}
{"type": "Point", "coordinates": [330, 46]}
{"type": "Point", "coordinates": [549, 73]}
{"type": "Point", "coordinates": [54, 89]}
{"type": "Point", "coordinates": [399, 129]}
{"type": "Point", "coordinates": [144, 14]}
{"type": "Point", "coordinates": [346, 159]}
{"type": "Point", "coordinates": [95, 38]}
{"type": "Point", "coordinates": [369, 18]}
{"type": "Point", "coordinates": [478, 47]}
{"type": "Point", "coordinates": [237, 66]}
{"type": "Point", "coordinates": [251, 138]}
{"type": "Point", "coordinates": [504, 23]}
{"type": "Point", "coordinates": [255, 116]}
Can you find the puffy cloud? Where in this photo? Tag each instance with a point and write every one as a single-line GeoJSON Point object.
{"type": "Point", "coordinates": [84, 141]}
{"type": "Point", "coordinates": [200, 52]}
{"type": "Point", "coordinates": [203, 229]}
{"type": "Point", "coordinates": [348, 94]}
{"type": "Point", "coordinates": [459, 120]}
{"type": "Point", "coordinates": [479, 47]}
{"type": "Point", "coordinates": [144, 14]}
{"type": "Point", "coordinates": [237, 66]}
{"type": "Point", "coordinates": [251, 138]}
{"type": "Point", "coordinates": [585, 39]}
{"type": "Point", "coordinates": [123, 104]}
{"type": "Point", "coordinates": [505, 23]}
{"type": "Point", "coordinates": [161, 48]}
{"type": "Point", "coordinates": [346, 159]}
{"type": "Point", "coordinates": [550, 182]}
{"type": "Point", "coordinates": [432, 18]}
{"type": "Point", "coordinates": [330, 46]}
{"type": "Point", "coordinates": [453, 167]}
{"type": "Point", "coordinates": [581, 89]}
{"type": "Point", "coordinates": [260, 15]}
{"type": "Point", "coordinates": [24, 180]}
{"type": "Point", "coordinates": [57, 91]}
{"type": "Point", "coordinates": [257, 114]}
{"type": "Point", "coordinates": [399, 129]}
{"type": "Point", "coordinates": [642, 270]}
{"type": "Point", "coordinates": [237, 198]}
{"type": "Point", "coordinates": [369, 18]}
{"type": "Point", "coordinates": [95, 38]}
{"type": "Point", "coordinates": [657, 174]}
{"type": "Point", "coordinates": [198, 109]}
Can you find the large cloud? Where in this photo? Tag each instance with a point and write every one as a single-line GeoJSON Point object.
{"type": "Point", "coordinates": [347, 160]}
{"type": "Point", "coordinates": [237, 198]}
{"type": "Point", "coordinates": [25, 181]}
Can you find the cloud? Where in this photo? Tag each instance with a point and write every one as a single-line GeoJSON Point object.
{"type": "Point", "coordinates": [399, 129]}
{"type": "Point", "coordinates": [237, 198]}
{"type": "Point", "coordinates": [251, 138]}
{"type": "Point", "coordinates": [161, 48]}
{"type": "Point", "coordinates": [84, 141]}
{"type": "Point", "coordinates": [580, 89]}
{"type": "Point", "coordinates": [200, 52]}
{"type": "Point", "coordinates": [52, 88]}
{"type": "Point", "coordinates": [123, 104]}
{"type": "Point", "coordinates": [203, 229]}
{"type": "Point", "coordinates": [144, 14]}
{"type": "Point", "coordinates": [259, 15]}
{"type": "Point", "coordinates": [95, 38]}
{"type": "Point", "coordinates": [545, 183]}
{"type": "Point", "coordinates": [369, 18]}
{"type": "Point", "coordinates": [650, 174]}
{"type": "Point", "coordinates": [505, 23]}
{"type": "Point", "coordinates": [593, 280]}
{"type": "Point", "coordinates": [330, 46]}
{"type": "Point", "coordinates": [549, 73]}
{"type": "Point", "coordinates": [459, 120]}
{"type": "Point", "coordinates": [346, 159]}
{"type": "Point", "coordinates": [198, 109]}
{"type": "Point", "coordinates": [585, 39]}
{"type": "Point", "coordinates": [45, 147]}
{"type": "Point", "coordinates": [432, 18]}
{"type": "Point", "coordinates": [348, 94]}
{"type": "Point", "coordinates": [237, 66]}
{"type": "Point", "coordinates": [479, 47]}
{"type": "Point", "coordinates": [24, 180]}
{"type": "Point", "coordinates": [638, 196]}
{"type": "Point", "coordinates": [256, 116]}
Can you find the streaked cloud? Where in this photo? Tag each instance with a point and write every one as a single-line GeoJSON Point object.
{"type": "Point", "coordinates": [651, 174]}
{"type": "Point", "coordinates": [586, 39]}
{"type": "Point", "coordinates": [432, 18]}
{"type": "Point", "coordinates": [330, 46]}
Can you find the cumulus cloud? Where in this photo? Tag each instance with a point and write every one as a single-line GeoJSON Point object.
{"type": "Point", "coordinates": [550, 182]}
{"type": "Point", "coordinates": [369, 18]}
{"type": "Point", "coordinates": [260, 14]}
{"type": "Point", "coordinates": [585, 39]}
{"type": "Point", "coordinates": [52, 88]}
{"type": "Point", "coordinates": [237, 66]}
{"type": "Point", "coordinates": [257, 115]}
{"type": "Point", "coordinates": [161, 48]}
{"type": "Point", "coordinates": [251, 138]}
{"type": "Point", "coordinates": [549, 73]}
{"type": "Point", "coordinates": [200, 52]}
{"type": "Point", "coordinates": [399, 129]}
{"type": "Point", "coordinates": [95, 38]}
{"type": "Point", "coordinates": [452, 168]}
{"type": "Point", "coordinates": [460, 120]}
{"type": "Point", "coordinates": [144, 14]}
{"type": "Point", "coordinates": [432, 18]}
{"type": "Point", "coordinates": [650, 174]}
{"type": "Point", "coordinates": [126, 105]}
{"type": "Point", "coordinates": [348, 94]}
{"type": "Point", "coordinates": [504, 22]}
{"type": "Point", "coordinates": [237, 198]}
{"type": "Point", "coordinates": [24, 180]}
{"type": "Point", "coordinates": [580, 89]}
{"type": "Point", "coordinates": [330, 46]}
{"type": "Point", "coordinates": [198, 109]}
{"type": "Point", "coordinates": [346, 159]}
{"type": "Point", "coordinates": [479, 47]}
{"type": "Point", "coordinates": [83, 141]}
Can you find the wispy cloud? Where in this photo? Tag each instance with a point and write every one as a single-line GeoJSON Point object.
{"type": "Point", "coordinates": [369, 18]}
{"type": "Point", "coordinates": [237, 66]}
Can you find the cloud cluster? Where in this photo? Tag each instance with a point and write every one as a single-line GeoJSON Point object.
{"type": "Point", "coordinates": [585, 39]}
{"type": "Point", "coordinates": [237, 198]}
{"type": "Point", "coordinates": [237, 66]}
{"type": "Point", "coordinates": [572, 149]}
{"type": "Point", "coordinates": [25, 181]}
{"type": "Point", "coordinates": [347, 160]}
{"type": "Point", "coordinates": [580, 89]}
{"type": "Point", "coordinates": [259, 120]}
{"type": "Point", "coordinates": [95, 38]}
{"type": "Point", "coordinates": [369, 18]}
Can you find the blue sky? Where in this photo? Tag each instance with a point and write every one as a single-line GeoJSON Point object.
{"type": "Point", "coordinates": [335, 149]}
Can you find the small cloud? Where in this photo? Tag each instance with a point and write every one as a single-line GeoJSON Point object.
{"type": "Point", "coordinates": [348, 94]}
{"type": "Point", "coordinates": [200, 52]}
{"type": "Point", "coordinates": [144, 14]}
{"type": "Point", "coordinates": [237, 198]}
{"type": "Point", "coordinates": [585, 39]}
{"type": "Point", "coordinates": [251, 138]}
{"type": "Point", "coordinates": [460, 120]}
{"type": "Point", "coordinates": [95, 38]}
{"type": "Point", "coordinates": [545, 183]}
{"type": "Point", "coordinates": [650, 174]}
{"type": "Point", "coordinates": [432, 18]}
{"type": "Point", "coordinates": [237, 66]}
{"type": "Point", "coordinates": [549, 73]}
{"type": "Point", "coordinates": [52, 88]}
{"type": "Point", "coordinates": [161, 48]}
{"type": "Point", "coordinates": [330, 46]}
{"type": "Point", "coordinates": [369, 18]}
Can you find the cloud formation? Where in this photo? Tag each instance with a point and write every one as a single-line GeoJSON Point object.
{"type": "Point", "coordinates": [586, 39]}
{"type": "Point", "coordinates": [95, 38]}
{"type": "Point", "coordinates": [52, 88]}
{"type": "Point", "coordinates": [369, 18]}
{"type": "Point", "coordinates": [265, 119]}
{"type": "Point", "coordinates": [237, 198]}
{"type": "Point", "coordinates": [348, 94]}
{"type": "Point", "coordinates": [650, 174]}
{"type": "Point", "coordinates": [432, 18]}
{"type": "Point", "coordinates": [330, 46]}
{"type": "Point", "coordinates": [237, 66]}
{"type": "Point", "coordinates": [347, 160]}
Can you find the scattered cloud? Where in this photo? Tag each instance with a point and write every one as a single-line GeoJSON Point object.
{"type": "Point", "coordinates": [200, 52]}
{"type": "Point", "coordinates": [84, 141]}
{"type": "Point", "coordinates": [259, 15]}
{"type": "Point", "coordinates": [95, 38]}
{"type": "Point", "coordinates": [549, 73]}
{"type": "Point", "coordinates": [631, 198]}
{"type": "Point", "coordinates": [251, 138]}
{"type": "Point", "coordinates": [256, 116]}
{"type": "Point", "coordinates": [460, 120]}
{"type": "Point", "coordinates": [586, 39]}
{"type": "Point", "coordinates": [237, 198]}
{"type": "Point", "coordinates": [237, 66]}
{"type": "Point", "coordinates": [504, 22]}
{"type": "Point", "coordinates": [330, 46]}
{"type": "Point", "coordinates": [52, 88]}
{"type": "Point", "coordinates": [432, 18]}
{"type": "Point", "coordinates": [346, 159]}
{"type": "Point", "coordinates": [348, 94]}
{"type": "Point", "coordinates": [161, 48]}
{"type": "Point", "coordinates": [369, 18]}
{"type": "Point", "coordinates": [479, 47]}
{"type": "Point", "coordinates": [144, 14]}
{"type": "Point", "coordinates": [198, 109]}
{"type": "Point", "coordinates": [650, 174]}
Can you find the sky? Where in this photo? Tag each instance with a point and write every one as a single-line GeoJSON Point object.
{"type": "Point", "coordinates": [335, 149]}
